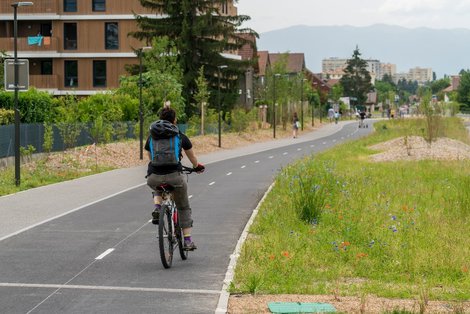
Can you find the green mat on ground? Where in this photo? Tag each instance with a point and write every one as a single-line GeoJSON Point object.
{"type": "Point", "coordinates": [298, 307]}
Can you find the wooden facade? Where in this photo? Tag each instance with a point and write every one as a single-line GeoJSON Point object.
{"type": "Point", "coordinates": [74, 31]}
{"type": "Point", "coordinates": [48, 19]}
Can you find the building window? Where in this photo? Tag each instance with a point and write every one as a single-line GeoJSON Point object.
{"type": "Point", "coordinates": [70, 36]}
{"type": "Point", "coordinates": [111, 35]}
{"type": "Point", "coordinates": [71, 73]}
{"type": "Point", "coordinates": [99, 5]}
{"type": "Point", "coordinates": [46, 67]}
{"type": "Point", "coordinates": [70, 5]}
{"type": "Point", "coordinates": [99, 73]}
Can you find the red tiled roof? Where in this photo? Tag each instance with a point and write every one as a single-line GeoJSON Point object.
{"type": "Point", "coordinates": [295, 61]}
{"type": "Point", "coordinates": [263, 62]}
{"type": "Point", "coordinates": [248, 51]}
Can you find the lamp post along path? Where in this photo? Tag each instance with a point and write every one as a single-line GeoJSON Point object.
{"type": "Point", "coordinates": [219, 104]}
{"type": "Point", "coordinates": [16, 75]}
{"type": "Point", "coordinates": [140, 52]}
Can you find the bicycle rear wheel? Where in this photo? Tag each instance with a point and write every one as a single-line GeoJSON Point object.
{"type": "Point", "coordinates": [180, 236]}
{"type": "Point", "coordinates": [165, 237]}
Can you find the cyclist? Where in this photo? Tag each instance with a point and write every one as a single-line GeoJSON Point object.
{"type": "Point", "coordinates": [171, 174]}
{"type": "Point", "coordinates": [362, 116]}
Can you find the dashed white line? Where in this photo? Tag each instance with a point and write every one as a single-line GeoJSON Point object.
{"type": "Point", "coordinates": [229, 174]}
{"type": "Point", "coordinates": [190, 196]}
{"type": "Point", "coordinates": [299, 149]}
{"type": "Point", "coordinates": [312, 146]}
{"type": "Point", "coordinates": [271, 157]}
{"type": "Point", "coordinates": [104, 254]}
{"type": "Point", "coordinates": [324, 143]}
{"type": "Point", "coordinates": [257, 162]}
{"type": "Point", "coordinates": [243, 167]}
{"type": "Point", "coordinates": [285, 153]}
{"type": "Point", "coordinates": [212, 183]}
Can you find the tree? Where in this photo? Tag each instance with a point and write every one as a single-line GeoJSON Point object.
{"type": "Point", "coordinates": [356, 81]}
{"type": "Point", "coordinates": [200, 33]}
{"type": "Point", "coordinates": [202, 95]}
{"type": "Point", "coordinates": [464, 90]}
{"type": "Point", "coordinates": [439, 85]}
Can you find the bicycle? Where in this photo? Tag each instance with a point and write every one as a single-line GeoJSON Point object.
{"type": "Point", "coordinates": [170, 234]}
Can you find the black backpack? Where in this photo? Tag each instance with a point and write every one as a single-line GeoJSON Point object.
{"type": "Point", "coordinates": [165, 144]}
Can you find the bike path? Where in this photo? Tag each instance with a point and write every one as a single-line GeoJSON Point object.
{"type": "Point", "coordinates": [52, 268]}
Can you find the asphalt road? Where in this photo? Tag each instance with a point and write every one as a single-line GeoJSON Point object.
{"type": "Point", "coordinates": [104, 257]}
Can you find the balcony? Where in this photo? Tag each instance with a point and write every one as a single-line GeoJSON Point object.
{"type": "Point", "coordinates": [44, 81]}
{"type": "Point", "coordinates": [47, 44]}
{"type": "Point", "coordinates": [43, 7]}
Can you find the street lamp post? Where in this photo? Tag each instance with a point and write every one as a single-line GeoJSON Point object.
{"type": "Point", "coordinates": [219, 104]}
{"type": "Point", "coordinates": [16, 74]}
{"type": "Point", "coordinates": [302, 104]}
{"type": "Point", "coordinates": [141, 109]}
{"type": "Point", "coordinates": [274, 103]}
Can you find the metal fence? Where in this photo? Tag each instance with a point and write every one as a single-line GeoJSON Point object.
{"type": "Point", "coordinates": [33, 134]}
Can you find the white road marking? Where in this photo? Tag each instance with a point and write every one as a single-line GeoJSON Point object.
{"type": "Point", "coordinates": [212, 183]}
{"type": "Point", "coordinates": [83, 287]}
{"type": "Point", "coordinates": [229, 174]}
{"type": "Point", "coordinates": [299, 149]}
{"type": "Point", "coordinates": [271, 157]}
{"type": "Point", "coordinates": [243, 167]}
{"type": "Point", "coordinates": [104, 254]}
{"type": "Point", "coordinates": [285, 153]}
{"type": "Point", "coordinates": [257, 162]}
{"type": "Point", "coordinates": [190, 196]}
{"type": "Point", "coordinates": [312, 146]}
{"type": "Point", "coordinates": [324, 143]}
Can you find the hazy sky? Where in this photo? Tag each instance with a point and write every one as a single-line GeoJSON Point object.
{"type": "Point", "coordinates": [269, 15]}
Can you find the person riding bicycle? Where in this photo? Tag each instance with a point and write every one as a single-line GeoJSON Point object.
{"type": "Point", "coordinates": [362, 116]}
{"type": "Point", "coordinates": [171, 173]}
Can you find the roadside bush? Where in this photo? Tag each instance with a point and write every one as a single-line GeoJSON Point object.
{"type": "Point", "coordinates": [48, 138]}
{"type": "Point", "coordinates": [34, 106]}
{"type": "Point", "coordinates": [6, 116]}
{"type": "Point", "coordinates": [240, 119]}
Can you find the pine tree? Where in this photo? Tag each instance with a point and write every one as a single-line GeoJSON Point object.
{"type": "Point", "coordinates": [356, 80]}
{"type": "Point", "coordinates": [201, 33]}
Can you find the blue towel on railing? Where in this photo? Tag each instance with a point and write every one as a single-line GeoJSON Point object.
{"type": "Point", "coordinates": [34, 40]}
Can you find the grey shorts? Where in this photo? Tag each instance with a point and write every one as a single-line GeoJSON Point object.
{"type": "Point", "coordinates": [180, 194]}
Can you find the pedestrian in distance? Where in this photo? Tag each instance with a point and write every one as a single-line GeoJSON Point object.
{"type": "Point", "coordinates": [295, 125]}
{"type": "Point", "coordinates": [165, 146]}
{"type": "Point", "coordinates": [336, 117]}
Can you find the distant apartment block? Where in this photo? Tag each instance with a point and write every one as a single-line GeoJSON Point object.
{"type": "Point", "coordinates": [333, 68]}
{"type": "Point", "coordinates": [387, 68]}
{"type": "Point", "coordinates": [421, 75]}
{"type": "Point", "coordinates": [76, 46]}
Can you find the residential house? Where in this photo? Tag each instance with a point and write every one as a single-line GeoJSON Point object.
{"type": "Point", "coordinates": [77, 46]}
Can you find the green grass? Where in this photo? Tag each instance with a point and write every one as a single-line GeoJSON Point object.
{"type": "Point", "coordinates": [40, 175]}
{"type": "Point", "coordinates": [397, 229]}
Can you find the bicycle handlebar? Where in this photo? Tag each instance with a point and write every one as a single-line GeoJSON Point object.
{"type": "Point", "coordinates": [188, 170]}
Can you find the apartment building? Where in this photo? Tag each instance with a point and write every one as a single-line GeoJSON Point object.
{"type": "Point", "coordinates": [79, 46]}
{"type": "Point", "coordinates": [420, 75]}
{"type": "Point", "coordinates": [333, 68]}
{"type": "Point", "coordinates": [388, 68]}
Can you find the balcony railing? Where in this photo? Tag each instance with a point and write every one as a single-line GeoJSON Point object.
{"type": "Point", "coordinates": [44, 81]}
{"type": "Point", "coordinates": [43, 6]}
{"type": "Point", "coordinates": [47, 44]}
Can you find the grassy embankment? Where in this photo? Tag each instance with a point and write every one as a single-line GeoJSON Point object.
{"type": "Point", "coordinates": [341, 224]}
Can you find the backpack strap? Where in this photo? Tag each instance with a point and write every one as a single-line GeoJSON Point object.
{"type": "Point", "coordinates": [151, 148]}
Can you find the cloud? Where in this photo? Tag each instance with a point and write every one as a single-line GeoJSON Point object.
{"type": "Point", "coordinates": [417, 6]}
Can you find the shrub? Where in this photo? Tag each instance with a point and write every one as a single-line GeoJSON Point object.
{"type": "Point", "coordinates": [6, 116]}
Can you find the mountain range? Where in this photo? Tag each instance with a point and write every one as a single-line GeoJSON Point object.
{"type": "Point", "coordinates": [446, 51]}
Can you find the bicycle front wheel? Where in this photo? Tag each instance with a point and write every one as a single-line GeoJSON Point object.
{"type": "Point", "coordinates": [165, 237]}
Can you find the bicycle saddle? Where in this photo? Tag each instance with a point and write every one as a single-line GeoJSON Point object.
{"type": "Point", "coordinates": [165, 187]}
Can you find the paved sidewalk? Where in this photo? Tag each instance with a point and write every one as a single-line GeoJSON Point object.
{"type": "Point", "coordinates": [26, 209]}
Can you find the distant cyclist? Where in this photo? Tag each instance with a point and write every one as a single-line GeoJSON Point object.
{"type": "Point", "coordinates": [159, 172]}
{"type": "Point", "coordinates": [362, 116]}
